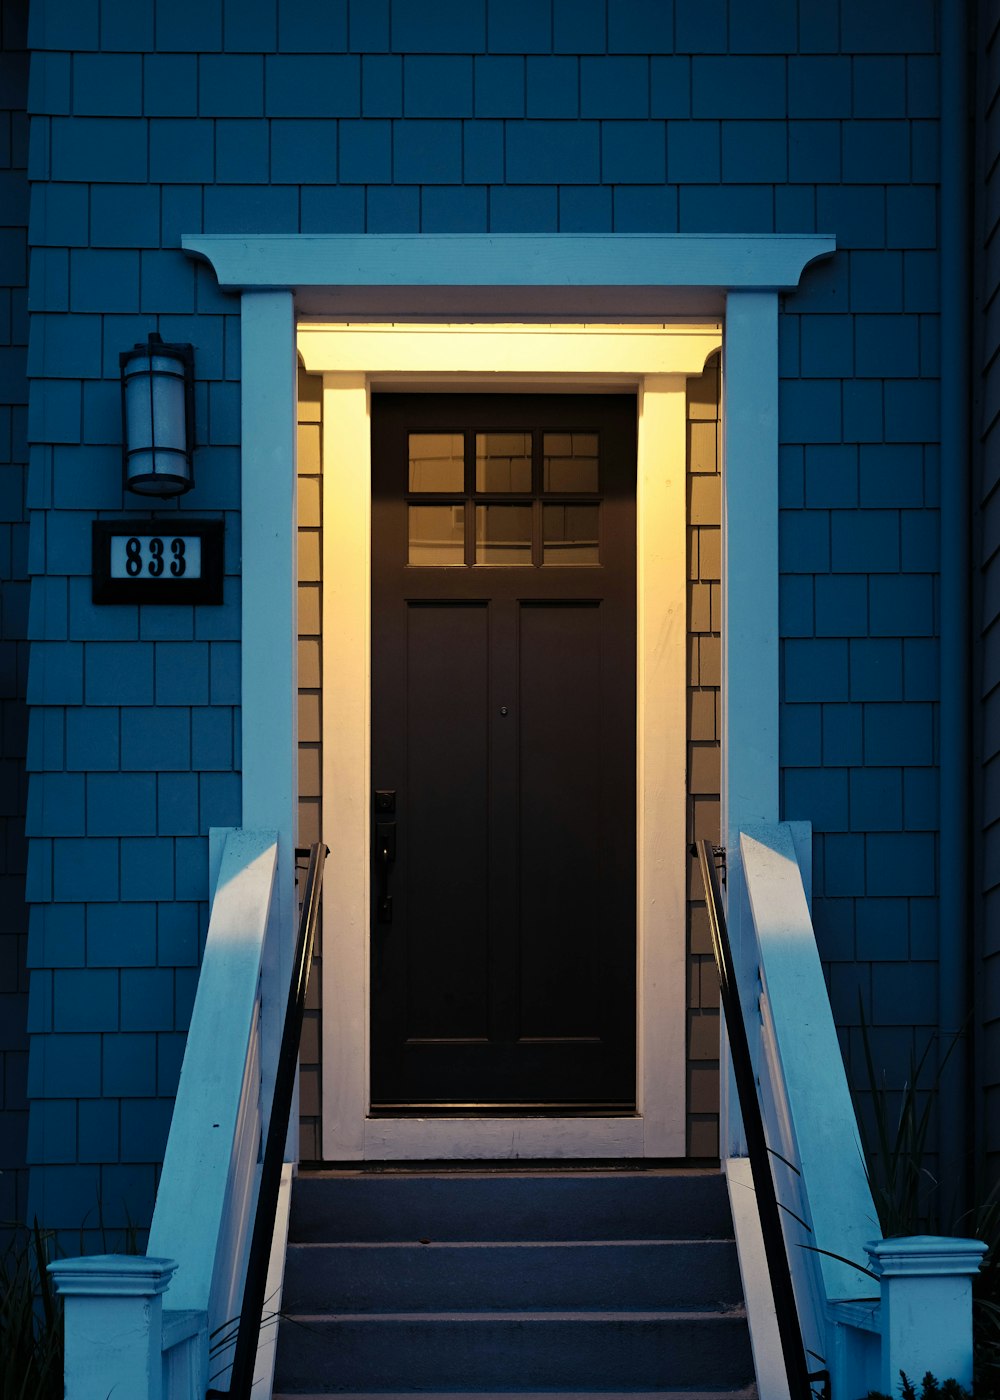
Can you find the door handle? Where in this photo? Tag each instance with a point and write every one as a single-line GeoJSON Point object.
{"type": "Point", "coordinates": [385, 843]}
{"type": "Point", "coordinates": [385, 854]}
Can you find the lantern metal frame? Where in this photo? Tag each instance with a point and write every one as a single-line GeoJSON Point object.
{"type": "Point", "coordinates": [168, 484]}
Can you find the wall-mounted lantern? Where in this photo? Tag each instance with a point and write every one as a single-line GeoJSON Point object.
{"type": "Point", "coordinates": [158, 418]}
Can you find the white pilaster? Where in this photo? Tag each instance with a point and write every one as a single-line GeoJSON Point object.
{"type": "Point", "coordinates": [750, 618]}
{"type": "Point", "coordinates": [268, 635]}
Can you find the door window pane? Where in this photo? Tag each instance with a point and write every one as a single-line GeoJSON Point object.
{"type": "Point", "coordinates": [570, 534]}
{"type": "Point", "coordinates": [570, 461]}
{"type": "Point", "coordinates": [437, 462]}
{"type": "Point", "coordinates": [503, 534]}
{"type": "Point", "coordinates": [437, 535]}
{"type": "Point", "coordinates": [503, 462]}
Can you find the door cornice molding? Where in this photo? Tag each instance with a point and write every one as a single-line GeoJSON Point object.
{"type": "Point", "coordinates": [710, 261]}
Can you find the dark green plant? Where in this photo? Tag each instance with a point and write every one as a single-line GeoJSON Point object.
{"type": "Point", "coordinates": [906, 1196]}
{"type": "Point", "coordinates": [930, 1389]}
{"type": "Point", "coordinates": [983, 1223]}
{"type": "Point", "coordinates": [31, 1335]}
{"type": "Point", "coordinates": [31, 1316]}
{"type": "Point", "coordinates": [223, 1339]}
{"type": "Point", "coordinates": [902, 1186]}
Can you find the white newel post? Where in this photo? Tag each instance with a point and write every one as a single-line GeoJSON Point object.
{"type": "Point", "coordinates": [113, 1309]}
{"type": "Point", "coordinates": [926, 1306]}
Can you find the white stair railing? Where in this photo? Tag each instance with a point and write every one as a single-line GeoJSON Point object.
{"type": "Point", "coordinates": [142, 1327]}
{"type": "Point", "coordinates": [868, 1307]}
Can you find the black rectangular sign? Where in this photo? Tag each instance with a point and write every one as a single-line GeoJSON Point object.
{"type": "Point", "coordinates": [157, 561]}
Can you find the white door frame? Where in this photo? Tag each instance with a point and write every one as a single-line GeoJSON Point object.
{"type": "Point", "coordinates": [654, 362]}
{"type": "Point", "coordinates": [508, 276]}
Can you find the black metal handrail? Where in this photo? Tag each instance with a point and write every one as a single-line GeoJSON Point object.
{"type": "Point", "coordinates": [787, 1314]}
{"type": "Point", "coordinates": [255, 1287]}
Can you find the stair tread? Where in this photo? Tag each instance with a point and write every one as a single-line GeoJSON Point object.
{"type": "Point", "coordinates": [458, 1218]}
{"type": "Point", "coordinates": [444, 1276]}
{"type": "Point", "coordinates": [410, 1171]}
{"type": "Point", "coordinates": [583, 1315]}
{"type": "Point", "coordinates": [507, 1244]}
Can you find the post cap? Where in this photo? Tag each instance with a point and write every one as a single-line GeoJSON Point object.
{"type": "Point", "coordinates": [112, 1276]}
{"type": "Point", "coordinates": [925, 1255]}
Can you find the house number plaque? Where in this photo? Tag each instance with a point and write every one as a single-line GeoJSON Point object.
{"type": "Point", "coordinates": [157, 561]}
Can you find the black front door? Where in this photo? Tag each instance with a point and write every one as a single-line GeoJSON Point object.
{"type": "Point", "coordinates": [503, 753]}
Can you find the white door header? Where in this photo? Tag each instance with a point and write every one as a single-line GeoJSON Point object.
{"type": "Point", "coordinates": [709, 261]}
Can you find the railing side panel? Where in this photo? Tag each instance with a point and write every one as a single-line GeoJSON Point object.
{"type": "Point", "coordinates": [803, 1261]}
{"type": "Point", "coordinates": [244, 1177]}
{"type": "Point", "coordinates": [191, 1204]}
{"type": "Point", "coordinates": [185, 1355]}
{"type": "Point", "coordinates": [819, 1115]}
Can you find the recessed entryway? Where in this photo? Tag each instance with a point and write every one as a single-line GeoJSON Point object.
{"type": "Point", "coordinates": [643, 1111]}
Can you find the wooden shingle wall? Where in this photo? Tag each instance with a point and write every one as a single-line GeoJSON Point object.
{"type": "Point", "coordinates": [310, 509]}
{"type": "Point", "coordinates": [150, 122]}
{"type": "Point", "coordinates": [703, 733]}
{"type": "Point", "coordinates": [13, 606]}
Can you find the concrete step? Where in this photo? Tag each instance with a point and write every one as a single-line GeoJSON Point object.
{"type": "Point", "coordinates": [617, 1275]}
{"type": "Point", "coordinates": [482, 1352]}
{"type": "Point", "coordinates": [503, 1206]}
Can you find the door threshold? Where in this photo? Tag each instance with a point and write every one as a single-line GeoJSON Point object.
{"type": "Point", "coordinates": [502, 1110]}
{"type": "Point", "coordinates": [505, 1166]}
{"type": "Point", "coordinates": [478, 1136]}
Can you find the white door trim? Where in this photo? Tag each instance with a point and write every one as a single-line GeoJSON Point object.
{"type": "Point", "coordinates": [512, 356]}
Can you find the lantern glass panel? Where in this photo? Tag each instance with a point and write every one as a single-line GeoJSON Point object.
{"type": "Point", "coordinates": [156, 430]}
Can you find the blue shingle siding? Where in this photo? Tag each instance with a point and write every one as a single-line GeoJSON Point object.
{"type": "Point", "coordinates": [396, 116]}
{"type": "Point", "coordinates": [987, 602]}
{"type": "Point", "coordinates": [14, 611]}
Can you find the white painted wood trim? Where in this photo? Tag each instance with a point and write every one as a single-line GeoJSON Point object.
{"type": "Point", "coordinates": [217, 838]}
{"type": "Point", "coordinates": [113, 1326]}
{"type": "Point", "coordinates": [707, 261]}
{"type": "Point", "coordinates": [209, 1140]}
{"type": "Point", "coordinates": [750, 639]}
{"type": "Point", "coordinates": [346, 710]}
{"type": "Point", "coordinates": [269, 712]}
{"type": "Point", "coordinates": [765, 1339]}
{"type": "Point", "coordinates": [750, 555]}
{"type": "Point", "coordinates": [659, 1128]}
{"type": "Point", "coordinates": [661, 763]}
{"type": "Point", "coordinates": [520, 350]}
{"type": "Point", "coordinates": [267, 1344]}
{"type": "Point", "coordinates": [822, 1128]}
